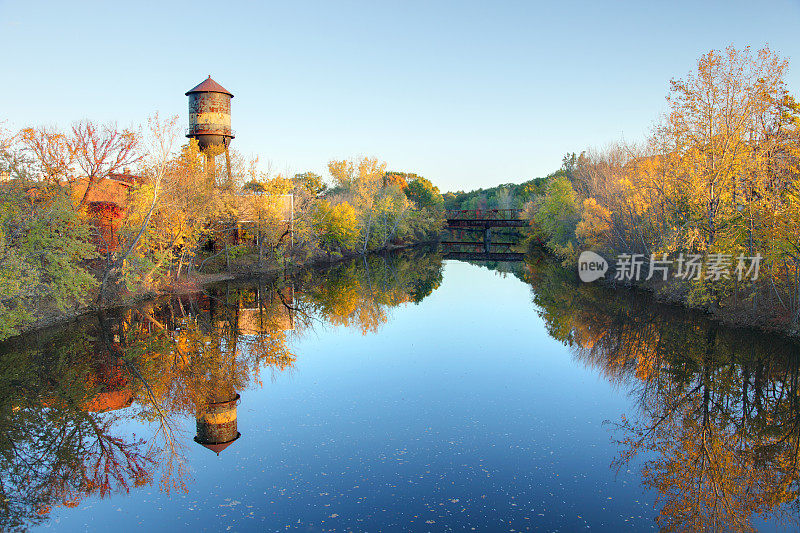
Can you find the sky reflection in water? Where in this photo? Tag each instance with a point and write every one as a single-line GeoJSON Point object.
{"type": "Point", "coordinates": [466, 409]}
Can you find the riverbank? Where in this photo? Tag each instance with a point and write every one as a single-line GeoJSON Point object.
{"type": "Point", "coordinates": [240, 268]}
{"type": "Point", "coordinates": [677, 293]}
{"type": "Point", "coordinates": [733, 312]}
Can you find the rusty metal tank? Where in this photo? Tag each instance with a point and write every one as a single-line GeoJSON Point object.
{"type": "Point", "coordinates": [210, 116]}
{"type": "Point", "coordinates": [217, 424]}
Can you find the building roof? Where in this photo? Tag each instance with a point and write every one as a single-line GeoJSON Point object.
{"type": "Point", "coordinates": [110, 401]}
{"type": "Point", "coordinates": [209, 86]}
{"type": "Point", "coordinates": [217, 448]}
{"type": "Point", "coordinates": [113, 188]}
{"type": "Point", "coordinates": [125, 178]}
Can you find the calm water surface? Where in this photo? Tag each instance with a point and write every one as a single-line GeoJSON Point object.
{"type": "Point", "coordinates": [400, 393]}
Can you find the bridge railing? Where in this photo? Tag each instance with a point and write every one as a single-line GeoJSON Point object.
{"type": "Point", "coordinates": [483, 214]}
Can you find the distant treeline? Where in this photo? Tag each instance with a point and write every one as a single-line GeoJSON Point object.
{"type": "Point", "coordinates": [505, 196]}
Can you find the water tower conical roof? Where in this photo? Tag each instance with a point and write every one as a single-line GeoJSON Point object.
{"type": "Point", "coordinates": [209, 86]}
{"type": "Point", "coordinates": [219, 446]}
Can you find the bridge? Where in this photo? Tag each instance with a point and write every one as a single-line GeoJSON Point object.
{"type": "Point", "coordinates": [482, 220]}
{"type": "Point", "coordinates": [481, 256]}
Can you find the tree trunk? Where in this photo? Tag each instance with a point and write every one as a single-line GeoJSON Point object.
{"type": "Point", "coordinates": [180, 265]}
{"type": "Point", "coordinates": [89, 186]}
{"type": "Point", "coordinates": [260, 239]}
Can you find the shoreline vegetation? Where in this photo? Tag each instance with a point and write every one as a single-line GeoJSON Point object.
{"type": "Point", "coordinates": [97, 217]}
{"type": "Point", "coordinates": [241, 270]}
{"type": "Point", "coordinates": [719, 176]}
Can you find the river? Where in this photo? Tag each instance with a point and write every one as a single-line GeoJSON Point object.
{"type": "Point", "coordinates": [400, 392]}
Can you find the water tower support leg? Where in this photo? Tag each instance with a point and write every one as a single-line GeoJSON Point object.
{"type": "Point", "coordinates": [211, 169]}
{"type": "Point", "coordinates": [228, 164]}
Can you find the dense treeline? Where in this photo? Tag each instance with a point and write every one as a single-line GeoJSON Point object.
{"type": "Point", "coordinates": [172, 219]}
{"type": "Point", "coordinates": [506, 196]}
{"type": "Point", "coordinates": [718, 178]}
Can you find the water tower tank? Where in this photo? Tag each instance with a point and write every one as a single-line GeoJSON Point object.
{"type": "Point", "coordinates": [210, 116]}
{"type": "Point", "coordinates": [216, 423]}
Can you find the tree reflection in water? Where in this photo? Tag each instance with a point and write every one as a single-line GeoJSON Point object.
{"type": "Point", "coordinates": [69, 396]}
{"type": "Point", "coordinates": [717, 421]}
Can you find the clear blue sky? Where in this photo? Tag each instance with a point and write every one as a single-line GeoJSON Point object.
{"type": "Point", "coordinates": [468, 94]}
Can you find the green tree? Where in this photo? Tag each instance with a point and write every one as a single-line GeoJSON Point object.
{"type": "Point", "coordinates": [336, 225]}
{"type": "Point", "coordinates": [44, 246]}
{"type": "Point", "coordinates": [424, 194]}
{"type": "Point", "coordinates": [557, 216]}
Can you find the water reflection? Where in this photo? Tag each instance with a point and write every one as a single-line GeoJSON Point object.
{"type": "Point", "coordinates": [65, 393]}
{"type": "Point", "coordinates": [97, 408]}
{"type": "Point", "coordinates": [717, 408]}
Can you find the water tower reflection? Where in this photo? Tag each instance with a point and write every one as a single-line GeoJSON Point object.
{"type": "Point", "coordinates": [249, 315]}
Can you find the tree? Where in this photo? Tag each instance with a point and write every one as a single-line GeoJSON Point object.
{"type": "Point", "coordinates": [342, 172]}
{"type": "Point", "coordinates": [100, 150]}
{"type": "Point", "coordinates": [161, 140]}
{"type": "Point", "coordinates": [530, 189]}
{"type": "Point", "coordinates": [424, 194]}
{"type": "Point", "coordinates": [720, 117]}
{"type": "Point", "coordinates": [310, 183]}
{"type": "Point", "coordinates": [50, 151]}
{"type": "Point", "coordinates": [44, 247]}
{"type": "Point", "coordinates": [268, 212]}
{"type": "Point", "coordinates": [336, 226]}
{"type": "Point", "coordinates": [391, 215]}
{"type": "Point", "coordinates": [503, 198]}
{"type": "Point", "coordinates": [557, 217]}
{"type": "Point", "coordinates": [177, 225]}
{"type": "Point", "coordinates": [363, 181]}
{"type": "Point", "coordinates": [400, 179]}
{"type": "Point", "coordinates": [719, 175]}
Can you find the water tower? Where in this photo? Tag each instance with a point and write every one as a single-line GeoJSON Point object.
{"type": "Point", "coordinates": [210, 122]}
{"type": "Point", "coordinates": [217, 422]}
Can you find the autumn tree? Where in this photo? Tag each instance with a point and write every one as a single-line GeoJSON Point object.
{"type": "Point", "coordinates": [720, 116]}
{"type": "Point", "coordinates": [136, 256]}
{"type": "Point", "coordinates": [336, 226]}
{"type": "Point", "coordinates": [51, 153]}
{"type": "Point", "coordinates": [719, 175]}
{"type": "Point", "coordinates": [342, 172]}
{"type": "Point", "coordinates": [44, 245]}
{"type": "Point", "coordinates": [424, 194]}
{"type": "Point", "coordinates": [363, 182]}
{"type": "Point", "coordinates": [310, 183]}
{"type": "Point", "coordinates": [267, 207]}
{"type": "Point", "coordinates": [100, 150]}
{"type": "Point", "coordinates": [392, 211]}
